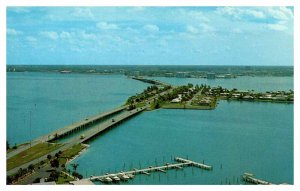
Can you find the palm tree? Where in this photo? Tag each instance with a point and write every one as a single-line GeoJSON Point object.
{"type": "Point", "coordinates": [74, 165]}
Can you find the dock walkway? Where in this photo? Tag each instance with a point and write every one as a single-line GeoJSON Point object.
{"type": "Point", "coordinates": [130, 174]}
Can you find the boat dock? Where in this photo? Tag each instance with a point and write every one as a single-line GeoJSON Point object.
{"type": "Point", "coordinates": [248, 177]}
{"type": "Point", "coordinates": [200, 165]}
{"type": "Point", "coordinates": [115, 177]}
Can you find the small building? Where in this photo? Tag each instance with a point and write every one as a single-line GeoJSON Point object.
{"type": "Point", "coordinates": [248, 97]}
{"type": "Point", "coordinates": [176, 100]}
{"type": "Point", "coordinates": [169, 74]}
{"type": "Point", "coordinates": [236, 95]}
{"type": "Point", "coordinates": [182, 74]}
{"type": "Point", "coordinates": [224, 94]}
{"type": "Point", "coordinates": [228, 76]}
{"type": "Point", "coordinates": [211, 75]}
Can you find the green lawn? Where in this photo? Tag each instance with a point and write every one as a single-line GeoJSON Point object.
{"type": "Point", "coordinates": [187, 106]}
{"type": "Point", "coordinates": [11, 149]}
{"type": "Point", "coordinates": [69, 153]}
{"type": "Point", "coordinates": [63, 179]}
{"type": "Point", "coordinates": [31, 154]}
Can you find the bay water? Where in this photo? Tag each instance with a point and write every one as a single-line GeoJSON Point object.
{"type": "Point", "coordinates": [234, 138]}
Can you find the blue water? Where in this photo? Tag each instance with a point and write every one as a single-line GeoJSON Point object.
{"type": "Point", "coordinates": [261, 84]}
{"type": "Point", "coordinates": [242, 137]}
{"type": "Point", "coordinates": [57, 100]}
{"type": "Point", "coordinates": [239, 136]}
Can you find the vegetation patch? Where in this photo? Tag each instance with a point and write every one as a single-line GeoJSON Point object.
{"type": "Point", "coordinates": [70, 153]}
{"type": "Point", "coordinates": [31, 154]}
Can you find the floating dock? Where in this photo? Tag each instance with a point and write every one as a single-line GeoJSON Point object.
{"type": "Point", "coordinates": [115, 177]}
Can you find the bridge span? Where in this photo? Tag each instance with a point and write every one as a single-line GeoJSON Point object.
{"type": "Point", "coordinates": [67, 130]}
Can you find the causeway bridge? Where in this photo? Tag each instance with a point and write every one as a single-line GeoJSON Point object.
{"type": "Point", "coordinates": [89, 134]}
{"type": "Point", "coordinates": [68, 129]}
{"type": "Point", "coordinates": [150, 81]}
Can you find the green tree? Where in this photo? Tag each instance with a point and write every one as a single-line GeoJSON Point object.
{"type": "Point", "coordinates": [15, 146]}
{"type": "Point", "coordinates": [54, 175]}
{"type": "Point", "coordinates": [31, 167]}
{"type": "Point", "coordinates": [7, 145]}
{"type": "Point", "coordinates": [49, 157]}
{"type": "Point", "coordinates": [55, 163]}
{"type": "Point", "coordinates": [9, 180]}
{"type": "Point", "coordinates": [74, 165]}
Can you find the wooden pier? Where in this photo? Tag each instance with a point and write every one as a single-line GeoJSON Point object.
{"type": "Point", "coordinates": [200, 165]}
{"type": "Point", "coordinates": [248, 177]}
{"type": "Point", "coordinates": [115, 177]}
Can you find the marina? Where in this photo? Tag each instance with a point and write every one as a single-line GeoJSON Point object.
{"type": "Point", "coordinates": [124, 176]}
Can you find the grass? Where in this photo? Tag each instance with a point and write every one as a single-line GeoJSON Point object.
{"type": "Point", "coordinates": [257, 100]}
{"type": "Point", "coordinates": [30, 154]}
{"type": "Point", "coordinates": [11, 149]}
{"type": "Point", "coordinates": [186, 106]}
{"type": "Point", "coordinates": [63, 179]}
{"type": "Point", "coordinates": [69, 153]}
{"type": "Point", "coordinates": [140, 104]}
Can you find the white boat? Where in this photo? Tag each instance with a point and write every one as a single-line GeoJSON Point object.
{"type": "Point", "coordinates": [123, 176]}
{"type": "Point", "coordinates": [107, 179]}
{"type": "Point", "coordinates": [130, 176]}
{"type": "Point", "coordinates": [115, 178]}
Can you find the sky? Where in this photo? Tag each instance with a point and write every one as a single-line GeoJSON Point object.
{"type": "Point", "coordinates": [150, 35]}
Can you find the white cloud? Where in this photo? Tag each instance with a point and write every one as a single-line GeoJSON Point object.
{"type": "Point", "coordinates": [277, 27]}
{"type": "Point", "coordinates": [11, 31]}
{"type": "Point", "coordinates": [206, 27]}
{"type": "Point", "coordinates": [50, 34]}
{"type": "Point", "coordinates": [88, 36]}
{"type": "Point", "coordinates": [240, 13]}
{"type": "Point", "coordinates": [136, 9]}
{"type": "Point", "coordinates": [31, 39]}
{"type": "Point", "coordinates": [192, 29]}
{"type": "Point", "coordinates": [107, 26]}
{"type": "Point", "coordinates": [202, 27]}
{"type": "Point", "coordinates": [190, 15]}
{"type": "Point", "coordinates": [65, 35]}
{"type": "Point", "coordinates": [19, 9]}
{"type": "Point", "coordinates": [237, 31]}
{"type": "Point", "coordinates": [151, 28]}
{"type": "Point", "coordinates": [82, 13]}
{"type": "Point", "coordinates": [278, 13]}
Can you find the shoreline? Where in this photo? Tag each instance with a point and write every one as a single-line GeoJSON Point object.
{"type": "Point", "coordinates": [86, 146]}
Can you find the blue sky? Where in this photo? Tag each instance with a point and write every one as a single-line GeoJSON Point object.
{"type": "Point", "coordinates": [150, 35]}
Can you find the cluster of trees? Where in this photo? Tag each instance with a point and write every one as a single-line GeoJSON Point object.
{"type": "Point", "coordinates": [54, 175]}
{"type": "Point", "coordinates": [216, 91]}
{"type": "Point", "coordinates": [21, 172]}
{"type": "Point", "coordinates": [147, 93]}
{"type": "Point", "coordinates": [8, 146]}
{"type": "Point", "coordinates": [75, 173]}
{"type": "Point", "coordinates": [186, 91]}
